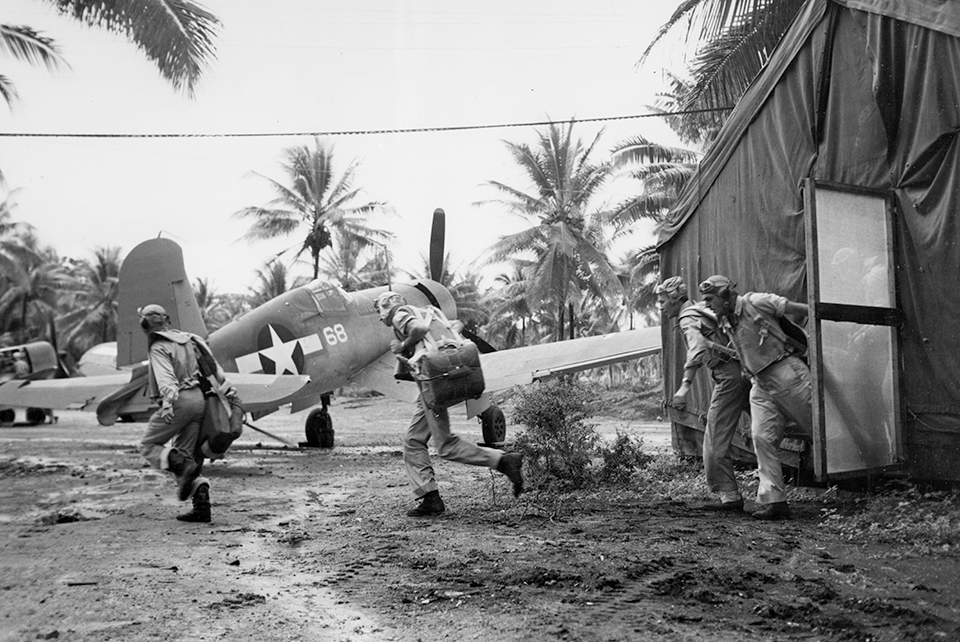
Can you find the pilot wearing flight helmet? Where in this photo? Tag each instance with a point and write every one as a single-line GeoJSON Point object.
{"type": "Point", "coordinates": [410, 326]}
{"type": "Point", "coordinates": [174, 381]}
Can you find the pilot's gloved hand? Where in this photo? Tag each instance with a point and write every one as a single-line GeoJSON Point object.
{"type": "Point", "coordinates": [166, 412]}
{"type": "Point", "coordinates": [396, 346]}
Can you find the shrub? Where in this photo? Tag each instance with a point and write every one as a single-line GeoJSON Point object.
{"type": "Point", "coordinates": [561, 449]}
{"type": "Point", "coordinates": [622, 459]}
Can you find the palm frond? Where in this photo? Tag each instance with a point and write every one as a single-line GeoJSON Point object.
{"type": "Point", "coordinates": [176, 35]}
{"type": "Point", "coordinates": [23, 43]}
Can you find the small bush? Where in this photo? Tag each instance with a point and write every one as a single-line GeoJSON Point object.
{"type": "Point", "coordinates": [562, 451]}
{"type": "Point", "coordinates": [622, 459]}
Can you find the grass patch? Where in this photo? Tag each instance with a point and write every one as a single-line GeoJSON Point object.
{"type": "Point", "coordinates": [920, 522]}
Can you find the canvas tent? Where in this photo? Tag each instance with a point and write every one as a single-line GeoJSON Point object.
{"type": "Point", "coordinates": [836, 181]}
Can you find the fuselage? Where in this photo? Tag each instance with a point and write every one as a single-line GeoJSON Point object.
{"type": "Point", "coordinates": [317, 330]}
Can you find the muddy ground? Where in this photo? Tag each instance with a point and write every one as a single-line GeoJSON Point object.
{"type": "Point", "coordinates": [314, 545]}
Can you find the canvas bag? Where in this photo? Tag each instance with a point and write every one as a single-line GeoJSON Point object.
{"type": "Point", "coordinates": [446, 365]}
{"type": "Point", "coordinates": [222, 416]}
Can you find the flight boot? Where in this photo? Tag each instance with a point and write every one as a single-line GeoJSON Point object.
{"type": "Point", "coordinates": [776, 510]}
{"type": "Point", "coordinates": [725, 507]}
{"type": "Point", "coordinates": [511, 465]}
{"type": "Point", "coordinates": [201, 506]}
{"type": "Point", "coordinates": [186, 470]}
{"type": "Point", "coordinates": [430, 505]}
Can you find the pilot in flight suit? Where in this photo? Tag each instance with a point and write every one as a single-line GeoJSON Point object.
{"type": "Point", "coordinates": [410, 329]}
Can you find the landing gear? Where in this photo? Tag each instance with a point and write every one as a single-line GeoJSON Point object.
{"type": "Point", "coordinates": [493, 425]}
{"type": "Point", "coordinates": [319, 426]}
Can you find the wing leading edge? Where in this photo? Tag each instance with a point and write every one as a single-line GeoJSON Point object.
{"type": "Point", "coordinates": [125, 393]}
{"type": "Point", "coordinates": [518, 366]}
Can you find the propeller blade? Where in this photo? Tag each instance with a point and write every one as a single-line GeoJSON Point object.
{"type": "Point", "coordinates": [62, 372]}
{"type": "Point", "coordinates": [482, 346]}
{"type": "Point", "coordinates": [436, 244]}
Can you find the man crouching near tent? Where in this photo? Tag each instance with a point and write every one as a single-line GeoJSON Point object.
{"type": "Point", "coordinates": [781, 391]}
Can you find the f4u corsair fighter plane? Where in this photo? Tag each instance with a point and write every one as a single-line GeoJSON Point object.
{"type": "Point", "coordinates": [298, 348]}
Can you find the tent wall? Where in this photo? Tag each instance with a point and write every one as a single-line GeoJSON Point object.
{"type": "Point", "coordinates": [859, 98]}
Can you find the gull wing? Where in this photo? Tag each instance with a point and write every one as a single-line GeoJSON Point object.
{"type": "Point", "coordinates": [518, 366]}
{"type": "Point", "coordinates": [261, 391]}
{"type": "Point", "coordinates": [378, 375]}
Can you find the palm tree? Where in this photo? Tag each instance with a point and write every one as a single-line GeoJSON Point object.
{"type": "Point", "coordinates": [89, 313]}
{"type": "Point", "coordinates": [12, 232]}
{"type": "Point", "coordinates": [273, 280]}
{"type": "Point", "coordinates": [563, 242]}
{"type": "Point", "coordinates": [354, 265]}
{"type": "Point", "coordinates": [509, 306]}
{"type": "Point", "coordinates": [317, 202]}
{"type": "Point", "coordinates": [662, 172]}
{"type": "Point", "coordinates": [32, 289]}
{"type": "Point", "coordinates": [215, 309]}
{"type": "Point", "coordinates": [735, 39]}
{"type": "Point", "coordinates": [176, 35]}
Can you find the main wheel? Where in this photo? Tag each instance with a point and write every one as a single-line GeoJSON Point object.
{"type": "Point", "coordinates": [319, 429]}
{"type": "Point", "coordinates": [8, 416]}
{"type": "Point", "coordinates": [494, 425]}
{"type": "Point", "coordinates": [36, 416]}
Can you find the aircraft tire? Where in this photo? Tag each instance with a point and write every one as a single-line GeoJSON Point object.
{"type": "Point", "coordinates": [8, 416]}
{"type": "Point", "coordinates": [493, 425]}
{"type": "Point", "coordinates": [36, 416]}
{"type": "Point", "coordinates": [319, 429]}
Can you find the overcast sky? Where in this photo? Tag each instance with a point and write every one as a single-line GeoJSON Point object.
{"type": "Point", "coordinates": [302, 66]}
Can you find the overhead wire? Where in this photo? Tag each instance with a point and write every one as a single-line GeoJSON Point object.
{"type": "Point", "coordinates": [360, 132]}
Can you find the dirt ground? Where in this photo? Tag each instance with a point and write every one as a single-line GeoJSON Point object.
{"type": "Point", "coordinates": [314, 545]}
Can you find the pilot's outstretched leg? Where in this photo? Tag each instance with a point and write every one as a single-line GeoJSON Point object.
{"type": "Point", "coordinates": [452, 448]}
{"type": "Point", "coordinates": [436, 424]}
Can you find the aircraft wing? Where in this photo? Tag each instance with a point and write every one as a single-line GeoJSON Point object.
{"type": "Point", "coordinates": [79, 393]}
{"type": "Point", "coordinates": [379, 376]}
{"type": "Point", "coordinates": [517, 366]}
{"type": "Point", "coordinates": [125, 392]}
{"type": "Point", "coordinates": [260, 391]}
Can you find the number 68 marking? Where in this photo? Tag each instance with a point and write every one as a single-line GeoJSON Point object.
{"type": "Point", "coordinates": [335, 334]}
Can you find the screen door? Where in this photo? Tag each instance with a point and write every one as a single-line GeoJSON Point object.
{"type": "Point", "coordinates": [853, 344]}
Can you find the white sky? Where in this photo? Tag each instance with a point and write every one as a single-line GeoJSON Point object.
{"type": "Point", "coordinates": [311, 66]}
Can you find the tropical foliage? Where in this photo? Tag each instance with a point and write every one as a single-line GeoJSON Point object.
{"type": "Point", "coordinates": [175, 35]}
{"type": "Point", "coordinates": [317, 202]}
{"type": "Point", "coordinates": [558, 270]}
{"type": "Point", "coordinates": [730, 41]}
{"type": "Point", "coordinates": [564, 243]}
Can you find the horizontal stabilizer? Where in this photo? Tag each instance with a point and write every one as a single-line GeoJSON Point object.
{"type": "Point", "coordinates": [79, 393]}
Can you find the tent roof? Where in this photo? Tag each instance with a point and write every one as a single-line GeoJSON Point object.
{"type": "Point", "coordinates": [933, 14]}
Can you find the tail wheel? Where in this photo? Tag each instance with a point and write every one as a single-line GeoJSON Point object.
{"type": "Point", "coordinates": [494, 425]}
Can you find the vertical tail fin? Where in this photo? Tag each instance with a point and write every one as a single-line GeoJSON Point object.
{"type": "Point", "coordinates": [153, 272]}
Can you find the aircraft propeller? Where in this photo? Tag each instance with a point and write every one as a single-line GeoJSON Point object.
{"type": "Point", "coordinates": [437, 233]}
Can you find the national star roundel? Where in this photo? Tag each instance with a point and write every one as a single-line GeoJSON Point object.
{"type": "Point", "coordinates": [280, 351]}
